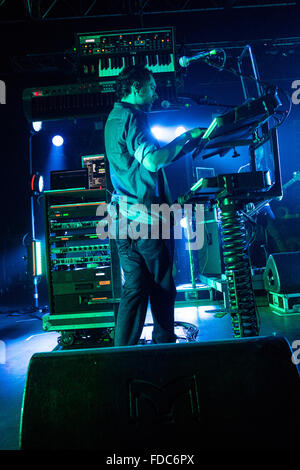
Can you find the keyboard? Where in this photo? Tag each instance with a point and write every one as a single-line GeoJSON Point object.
{"type": "Point", "coordinates": [104, 55]}
{"type": "Point", "coordinates": [156, 62]}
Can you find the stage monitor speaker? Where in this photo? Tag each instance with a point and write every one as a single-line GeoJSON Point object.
{"type": "Point", "coordinates": [176, 397]}
{"type": "Point", "coordinates": [282, 273]}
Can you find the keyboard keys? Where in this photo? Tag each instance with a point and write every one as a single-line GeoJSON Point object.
{"type": "Point", "coordinates": [111, 66]}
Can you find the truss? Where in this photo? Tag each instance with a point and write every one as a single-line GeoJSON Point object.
{"type": "Point", "coordinates": [47, 10]}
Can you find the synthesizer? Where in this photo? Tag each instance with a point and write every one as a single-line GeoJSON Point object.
{"type": "Point", "coordinates": [68, 101]}
{"type": "Point", "coordinates": [100, 58]}
{"type": "Point", "coordinates": [236, 127]}
{"type": "Point", "coordinates": [103, 55]}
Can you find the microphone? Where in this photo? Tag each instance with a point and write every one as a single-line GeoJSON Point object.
{"type": "Point", "coordinates": [165, 104]}
{"type": "Point", "coordinates": [185, 61]}
{"type": "Point", "coordinates": [175, 106]}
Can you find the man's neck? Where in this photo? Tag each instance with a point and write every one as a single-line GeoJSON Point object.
{"type": "Point", "coordinates": [130, 100]}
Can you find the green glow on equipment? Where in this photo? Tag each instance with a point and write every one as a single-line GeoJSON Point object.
{"type": "Point", "coordinates": [49, 191]}
{"type": "Point", "coordinates": [197, 185]}
{"type": "Point", "coordinates": [38, 259]}
{"type": "Point", "coordinates": [210, 128]}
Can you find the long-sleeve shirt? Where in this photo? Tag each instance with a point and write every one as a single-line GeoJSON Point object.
{"type": "Point", "coordinates": [128, 140]}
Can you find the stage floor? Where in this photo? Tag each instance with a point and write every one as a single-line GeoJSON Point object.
{"type": "Point", "coordinates": [22, 335]}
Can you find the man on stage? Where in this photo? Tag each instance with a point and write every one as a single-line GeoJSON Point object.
{"type": "Point", "coordinates": [136, 169]}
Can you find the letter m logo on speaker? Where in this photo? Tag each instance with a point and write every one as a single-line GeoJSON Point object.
{"type": "Point", "coordinates": [176, 401]}
{"type": "Point", "coordinates": [2, 92]}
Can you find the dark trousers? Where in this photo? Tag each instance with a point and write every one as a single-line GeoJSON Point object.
{"type": "Point", "coordinates": [147, 268]}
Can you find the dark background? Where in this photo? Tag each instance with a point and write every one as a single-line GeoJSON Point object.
{"type": "Point", "coordinates": [39, 52]}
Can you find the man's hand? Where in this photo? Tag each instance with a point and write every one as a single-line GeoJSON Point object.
{"type": "Point", "coordinates": [180, 146]}
{"type": "Point", "coordinates": [195, 137]}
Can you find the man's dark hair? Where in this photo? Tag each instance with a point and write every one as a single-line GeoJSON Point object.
{"type": "Point", "coordinates": [128, 76]}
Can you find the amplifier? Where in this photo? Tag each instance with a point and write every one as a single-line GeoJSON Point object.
{"type": "Point", "coordinates": [80, 260]}
{"type": "Point", "coordinates": [82, 270]}
{"type": "Point", "coordinates": [82, 302]}
{"type": "Point", "coordinates": [70, 216]}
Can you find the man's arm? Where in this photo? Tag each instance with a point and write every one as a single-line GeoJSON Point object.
{"type": "Point", "coordinates": [164, 156]}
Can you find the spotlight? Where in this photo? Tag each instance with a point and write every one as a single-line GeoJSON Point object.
{"type": "Point", "coordinates": [183, 223]}
{"type": "Point", "coordinates": [163, 134]}
{"type": "Point", "coordinates": [37, 183]}
{"type": "Point", "coordinates": [158, 132]}
{"type": "Point", "coordinates": [37, 125]}
{"type": "Point", "coordinates": [57, 140]}
{"type": "Point", "coordinates": [179, 130]}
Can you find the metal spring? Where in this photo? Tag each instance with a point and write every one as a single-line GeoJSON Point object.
{"type": "Point", "coordinates": [237, 269]}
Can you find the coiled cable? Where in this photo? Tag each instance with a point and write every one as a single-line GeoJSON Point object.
{"type": "Point", "coordinates": [241, 298]}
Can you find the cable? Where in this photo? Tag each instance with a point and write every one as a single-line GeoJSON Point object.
{"type": "Point", "coordinates": [245, 320]}
{"type": "Point", "coordinates": [209, 61]}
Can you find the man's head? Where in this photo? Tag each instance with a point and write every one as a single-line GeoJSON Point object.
{"type": "Point", "coordinates": [136, 85]}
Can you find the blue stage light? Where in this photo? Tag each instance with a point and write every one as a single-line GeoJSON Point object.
{"type": "Point", "coordinates": [37, 125]}
{"type": "Point", "coordinates": [163, 134]}
{"type": "Point", "coordinates": [183, 223]}
{"type": "Point", "coordinates": [57, 140]}
{"type": "Point", "coordinates": [179, 130]}
{"type": "Point", "coordinates": [158, 132]}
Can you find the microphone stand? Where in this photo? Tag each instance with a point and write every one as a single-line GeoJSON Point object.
{"type": "Point", "coordinates": [36, 278]}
